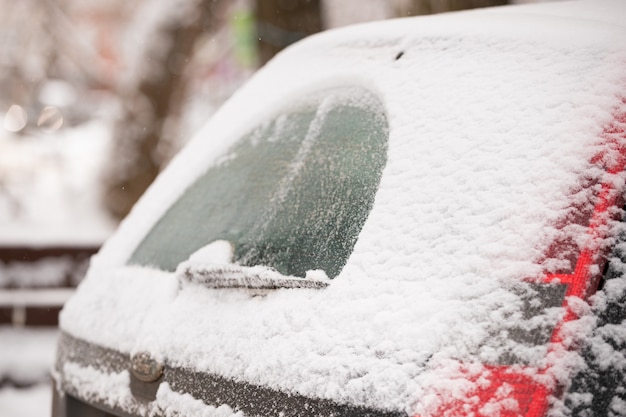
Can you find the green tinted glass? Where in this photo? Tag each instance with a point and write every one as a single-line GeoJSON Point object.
{"type": "Point", "coordinates": [293, 194]}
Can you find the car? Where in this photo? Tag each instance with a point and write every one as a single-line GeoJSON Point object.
{"type": "Point", "coordinates": [418, 217]}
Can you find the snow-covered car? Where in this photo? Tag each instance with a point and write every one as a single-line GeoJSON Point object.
{"type": "Point", "coordinates": [419, 217]}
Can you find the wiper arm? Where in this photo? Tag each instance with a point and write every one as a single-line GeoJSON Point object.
{"type": "Point", "coordinates": [226, 276]}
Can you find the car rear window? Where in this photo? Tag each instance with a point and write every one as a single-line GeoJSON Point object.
{"type": "Point", "coordinates": [292, 194]}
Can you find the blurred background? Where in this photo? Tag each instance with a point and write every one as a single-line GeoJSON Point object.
{"type": "Point", "coordinates": [95, 98]}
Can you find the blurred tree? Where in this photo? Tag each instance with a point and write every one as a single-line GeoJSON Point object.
{"type": "Point", "coordinates": [283, 22]}
{"type": "Point", "coordinates": [421, 7]}
{"type": "Point", "coordinates": [39, 44]}
{"type": "Point", "coordinates": [155, 90]}
{"type": "Point", "coordinates": [152, 95]}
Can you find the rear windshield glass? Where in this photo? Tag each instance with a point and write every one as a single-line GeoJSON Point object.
{"type": "Point", "coordinates": [292, 194]}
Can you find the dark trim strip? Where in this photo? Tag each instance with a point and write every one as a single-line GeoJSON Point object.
{"type": "Point", "coordinates": [71, 349]}
{"type": "Point", "coordinates": [253, 400]}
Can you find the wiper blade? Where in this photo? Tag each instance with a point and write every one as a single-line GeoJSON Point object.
{"type": "Point", "coordinates": [248, 277]}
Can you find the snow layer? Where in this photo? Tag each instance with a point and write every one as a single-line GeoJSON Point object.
{"type": "Point", "coordinates": [494, 118]}
{"type": "Point", "coordinates": [28, 402]}
{"type": "Point", "coordinates": [26, 355]}
{"type": "Point", "coordinates": [46, 272]}
{"type": "Point", "coordinates": [89, 383]}
{"type": "Point", "coordinates": [605, 349]}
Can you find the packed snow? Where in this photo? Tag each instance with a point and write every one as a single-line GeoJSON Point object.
{"type": "Point", "coordinates": [26, 355]}
{"type": "Point", "coordinates": [93, 382]}
{"type": "Point", "coordinates": [493, 128]}
{"type": "Point", "coordinates": [26, 358]}
{"type": "Point", "coordinates": [217, 252]}
{"type": "Point", "coordinates": [26, 402]}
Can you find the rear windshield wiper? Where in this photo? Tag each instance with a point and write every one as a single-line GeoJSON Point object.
{"type": "Point", "coordinates": [247, 277]}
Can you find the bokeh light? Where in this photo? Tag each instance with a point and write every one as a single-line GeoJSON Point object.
{"type": "Point", "coordinates": [50, 119]}
{"type": "Point", "coordinates": [15, 118]}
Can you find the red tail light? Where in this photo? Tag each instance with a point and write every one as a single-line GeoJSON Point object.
{"type": "Point", "coordinates": [523, 391]}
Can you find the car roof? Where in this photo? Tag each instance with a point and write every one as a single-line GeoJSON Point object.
{"type": "Point", "coordinates": [537, 31]}
{"type": "Point", "coordinates": [495, 119]}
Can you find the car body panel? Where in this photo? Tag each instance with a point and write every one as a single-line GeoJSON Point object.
{"type": "Point", "coordinates": [499, 137]}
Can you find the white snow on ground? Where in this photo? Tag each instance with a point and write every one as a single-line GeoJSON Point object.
{"type": "Point", "coordinates": [492, 128]}
{"type": "Point", "coordinates": [27, 354]}
{"type": "Point", "coordinates": [35, 401]}
{"type": "Point", "coordinates": [26, 358]}
{"type": "Point", "coordinates": [49, 187]}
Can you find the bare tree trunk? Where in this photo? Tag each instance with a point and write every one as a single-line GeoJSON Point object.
{"type": "Point", "coordinates": [283, 22]}
{"type": "Point", "coordinates": [150, 100]}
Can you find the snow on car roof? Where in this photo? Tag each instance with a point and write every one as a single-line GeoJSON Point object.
{"type": "Point", "coordinates": [330, 56]}
{"type": "Point", "coordinates": [494, 116]}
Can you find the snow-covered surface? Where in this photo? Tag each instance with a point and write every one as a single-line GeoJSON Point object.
{"type": "Point", "coordinates": [26, 355]}
{"type": "Point", "coordinates": [26, 402]}
{"type": "Point", "coordinates": [91, 382]}
{"type": "Point", "coordinates": [174, 404]}
{"type": "Point", "coordinates": [26, 358]}
{"type": "Point", "coordinates": [494, 118]}
{"type": "Point", "coordinates": [250, 277]}
{"type": "Point", "coordinates": [47, 272]}
{"type": "Point", "coordinates": [218, 252]}
{"type": "Point", "coordinates": [49, 187]}
{"type": "Point", "coordinates": [51, 297]}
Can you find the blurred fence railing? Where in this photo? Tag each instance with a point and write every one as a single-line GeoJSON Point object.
{"type": "Point", "coordinates": [36, 282]}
